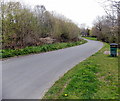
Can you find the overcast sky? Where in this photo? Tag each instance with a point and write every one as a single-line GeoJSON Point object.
{"type": "Point", "coordinates": [79, 11]}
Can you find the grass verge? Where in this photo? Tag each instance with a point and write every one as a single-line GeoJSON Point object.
{"type": "Point", "coordinates": [94, 78]}
{"type": "Point", "coordinates": [91, 38]}
{"type": "Point", "coordinates": [5, 53]}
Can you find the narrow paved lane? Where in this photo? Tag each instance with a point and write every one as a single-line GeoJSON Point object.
{"type": "Point", "coordinates": [28, 77]}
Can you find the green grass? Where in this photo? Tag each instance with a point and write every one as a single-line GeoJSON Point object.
{"type": "Point", "coordinates": [94, 78]}
{"type": "Point", "coordinates": [5, 53]}
{"type": "Point", "coordinates": [91, 38]}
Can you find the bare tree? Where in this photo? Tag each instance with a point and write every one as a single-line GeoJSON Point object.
{"type": "Point", "coordinates": [112, 9]}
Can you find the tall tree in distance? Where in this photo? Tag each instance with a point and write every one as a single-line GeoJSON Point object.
{"type": "Point", "coordinates": [109, 23]}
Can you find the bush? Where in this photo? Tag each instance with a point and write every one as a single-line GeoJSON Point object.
{"type": "Point", "coordinates": [23, 26]}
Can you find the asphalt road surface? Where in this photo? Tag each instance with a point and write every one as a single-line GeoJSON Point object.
{"type": "Point", "coordinates": [29, 77]}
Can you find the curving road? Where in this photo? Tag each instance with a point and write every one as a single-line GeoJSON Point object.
{"type": "Point", "coordinates": [28, 77]}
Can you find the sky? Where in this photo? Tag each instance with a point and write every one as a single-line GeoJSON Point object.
{"type": "Point", "coordinates": [79, 11]}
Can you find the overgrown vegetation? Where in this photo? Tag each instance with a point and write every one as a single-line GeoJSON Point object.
{"type": "Point", "coordinates": [37, 49]}
{"type": "Point", "coordinates": [94, 78]}
{"type": "Point", "coordinates": [107, 28]}
{"type": "Point", "coordinates": [23, 26]}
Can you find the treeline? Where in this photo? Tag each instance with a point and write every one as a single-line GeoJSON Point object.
{"type": "Point", "coordinates": [104, 29]}
{"type": "Point", "coordinates": [107, 28]}
{"type": "Point", "coordinates": [23, 26]}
